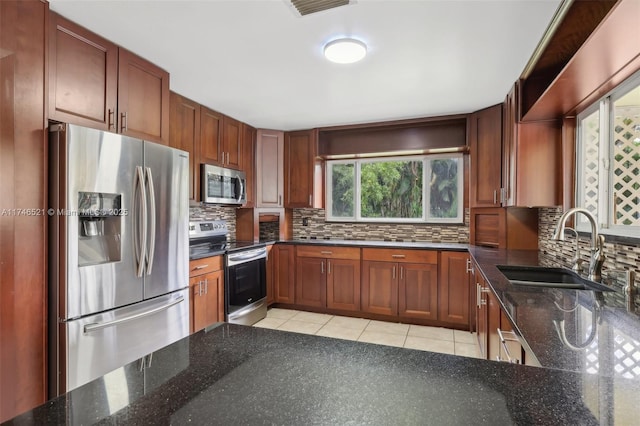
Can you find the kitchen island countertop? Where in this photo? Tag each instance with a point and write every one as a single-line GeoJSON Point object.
{"type": "Point", "coordinates": [233, 374]}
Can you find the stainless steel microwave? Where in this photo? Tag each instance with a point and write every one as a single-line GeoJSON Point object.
{"type": "Point", "coordinates": [223, 186]}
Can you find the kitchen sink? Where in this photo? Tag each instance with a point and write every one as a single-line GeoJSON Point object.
{"type": "Point", "coordinates": [540, 276]}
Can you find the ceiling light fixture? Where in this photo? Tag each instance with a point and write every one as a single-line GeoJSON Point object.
{"type": "Point", "coordinates": [345, 50]}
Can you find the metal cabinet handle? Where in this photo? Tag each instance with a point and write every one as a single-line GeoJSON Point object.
{"type": "Point", "coordinates": [310, 200]}
{"type": "Point", "coordinates": [206, 286]}
{"type": "Point", "coordinates": [398, 256]}
{"type": "Point", "coordinates": [326, 252]}
{"type": "Point", "coordinates": [328, 267]}
{"type": "Point", "coordinates": [495, 196]}
{"type": "Point", "coordinates": [401, 271]}
{"type": "Point", "coordinates": [279, 200]}
{"type": "Point", "coordinates": [468, 265]}
{"type": "Point", "coordinates": [199, 288]}
{"type": "Point", "coordinates": [200, 267]}
{"type": "Point", "coordinates": [394, 273]}
{"type": "Point", "coordinates": [110, 116]}
{"type": "Point", "coordinates": [503, 342]}
{"type": "Point", "coordinates": [123, 122]}
{"type": "Point", "coordinates": [322, 267]}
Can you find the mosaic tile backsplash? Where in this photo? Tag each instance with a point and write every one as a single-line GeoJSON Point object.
{"type": "Point", "coordinates": [320, 229]}
{"type": "Point", "coordinates": [619, 257]}
{"type": "Point", "coordinates": [208, 212]}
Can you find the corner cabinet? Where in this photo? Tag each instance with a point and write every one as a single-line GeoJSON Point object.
{"type": "Point", "coordinates": [95, 83]}
{"type": "Point", "coordinates": [303, 181]}
{"type": "Point", "coordinates": [400, 283]}
{"type": "Point", "coordinates": [485, 140]}
{"type": "Point", "coordinates": [269, 168]}
{"type": "Point", "coordinates": [206, 282]}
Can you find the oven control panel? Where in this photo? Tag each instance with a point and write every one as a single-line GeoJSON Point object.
{"type": "Point", "coordinates": [207, 228]}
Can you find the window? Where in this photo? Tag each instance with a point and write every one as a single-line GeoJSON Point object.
{"type": "Point", "coordinates": [402, 189]}
{"type": "Point", "coordinates": [608, 183]}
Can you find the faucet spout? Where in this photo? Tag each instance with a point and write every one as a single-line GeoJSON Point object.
{"type": "Point", "coordinates": [597, 240]}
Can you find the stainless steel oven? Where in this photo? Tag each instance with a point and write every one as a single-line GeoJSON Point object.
{"type": "Point", "coordinates": [246, 284]}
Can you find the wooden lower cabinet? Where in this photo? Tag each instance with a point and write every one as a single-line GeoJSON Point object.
{"type": "Point", "coordinates": [418, 291]}
{"type": "Point", "coordinates": [283, 273]}
{"type": "Point", "coordinates": [379, 288]}
{"type": "Point", "coordinates": [343, 284]}
{"type": "Point", "coordinates": [454, 296]}
{"type": "Point", "coordinates": [207, 300]}
{"type": "Point", "coordinates": [311, 282]}
{"type": "Point", "coordinates": [481, 312]}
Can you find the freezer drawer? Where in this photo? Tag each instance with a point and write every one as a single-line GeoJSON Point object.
{"type": "Point", "coordinates": [100, 343]}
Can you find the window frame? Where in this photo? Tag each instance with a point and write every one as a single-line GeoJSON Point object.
{"type": "Point", "coordinates": [606, 156]}
{"type": "Point", "coordinates": [426, 172]}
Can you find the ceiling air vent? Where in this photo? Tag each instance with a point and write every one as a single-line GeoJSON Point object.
{"type": "Point", "coordinates": [306, 7]}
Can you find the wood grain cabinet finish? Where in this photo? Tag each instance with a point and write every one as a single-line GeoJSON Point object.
{"type": "Point", "coordinates": [249, 163]}
{"type": "Point", "coordinates": [283, 273]}
{"type": "Point", "coordinates": [407, 287]}
{"type": "Point", "coordinates": [184, 134]}
{"type": "Point", "coordinates": [23, 254]}
{"type": "Point", "coordinates": [303, 171]}
{"type": "Point", "coordinates": [485, 140]}
{"type": "Point", "coordinates": [94, 83]}
{"type": "Point", "coordinates": [232, 143]}
{"type": "Point", "coordinates": [328, 277]}
{"type": "Point", "coordinates": [454, 290]}
{"type": "Point", "coordinates": [210, 136]}
{"type": "Point", "coordinates": [481, 312]}
{"type": "Point", "coordinates": [206, 281]}
{"type": "Point", "coordinates": [269, 168]}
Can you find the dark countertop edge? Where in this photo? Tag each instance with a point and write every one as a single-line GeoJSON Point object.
{"type": "Point", "coordinates": [377, 243]}
{"type": "Point", "coordinates": [204, 256]}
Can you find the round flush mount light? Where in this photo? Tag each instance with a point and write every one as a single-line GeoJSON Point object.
{"type": "Point", "coordinates": [345, 50]}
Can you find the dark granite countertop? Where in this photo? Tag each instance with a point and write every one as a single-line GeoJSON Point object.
{"type": "Point", "coordinates": [424, 245]}
{"type": "Point", "coordinates": [234, 374]}
{"type": "Point", "coordinates": [602, 332]}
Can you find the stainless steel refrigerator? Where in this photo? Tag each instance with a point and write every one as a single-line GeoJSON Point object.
{"type": "Point", "coordinates": [118, 252]}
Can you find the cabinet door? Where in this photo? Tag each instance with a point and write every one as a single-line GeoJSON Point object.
{"type": "Point", "coordinates": [343, 284]}
{"type": "Point", "coordinates": [300, 151]}
{"type": "Point", "coordinates": [481, 313]}
{"type": "Point", "coordinates": [380, 287]}
{"type": "Point", "coordinates": [214, 293]}
{"type": "Point", "coordinates": [271, 264]}
{"type": "Point", "coordinates": [83, 76]}
{"type": "Point", "coordinates": [453, 298]}
{"type": "Point", "coordinates": [249, 162]}
{"type": "Point", "coordinates": [143, 98]}
{"type": "Point", "coordinates": [269, 168]}
{"type": "Point", "coordinates": [493, 324]}
{"type": "Point", "coordinates": [418, 290]}
{"type": "Point", "coordinates": [485, 138]}
{"type": "Point", "coordinates": [198, 304]}
{"type": "Point", "coordinates": [284, 274]}
{"type": "Point", "coordinates": [232, 142]}
{"type": "Point", "coordinates": [311, 282]}
{"type": "Point", "coordinates": [210, 136]}
{"type": "Point", "coordinates": [184, 134]}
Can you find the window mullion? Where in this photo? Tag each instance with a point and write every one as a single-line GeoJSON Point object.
{"type": "Point", "coordinates": [605, 160]}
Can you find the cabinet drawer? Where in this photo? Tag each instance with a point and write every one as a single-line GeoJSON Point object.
{"type": "Point", "coordinates": [205, 265]}
{"type": "Point", "coordinates": [328, 252]}
{"type": "Point", "coordinates": [400, 255]}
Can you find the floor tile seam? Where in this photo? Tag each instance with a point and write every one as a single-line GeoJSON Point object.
{"type": "Point", "coordinates": [432, 338]}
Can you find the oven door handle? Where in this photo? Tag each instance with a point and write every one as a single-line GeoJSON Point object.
{"type": "Point", "coordinates": [237, 259]}
{"type": "Point", "coordinates": [245, 311]}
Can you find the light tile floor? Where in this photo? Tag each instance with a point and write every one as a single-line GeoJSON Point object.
{"type": "Point", "coordinates": [434, 339]}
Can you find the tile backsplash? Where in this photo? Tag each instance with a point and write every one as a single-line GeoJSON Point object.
{"type": "Point", "coordinates": [619, 256]}
{"type": "Point", "coordinates": [211, 212]}
{"type": "Point", "coordinates": [318, 228]}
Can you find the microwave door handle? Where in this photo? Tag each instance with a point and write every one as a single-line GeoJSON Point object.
{"type": "Point", "coordinates": [241, 192]}
{"type": "Point", "coordinates": [152, 222]}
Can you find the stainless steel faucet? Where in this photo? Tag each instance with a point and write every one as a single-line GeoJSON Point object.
{"type": "Point", "coordinates": [597, 241]}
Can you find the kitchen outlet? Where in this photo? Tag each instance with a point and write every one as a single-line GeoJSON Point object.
{"type": "Point", "coordinates": [305, 221]}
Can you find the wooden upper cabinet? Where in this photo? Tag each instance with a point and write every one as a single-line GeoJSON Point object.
{"type": "Point", "coordinates": [184, 134]}
{"type": "Point", "coordinates": [532, 158]}
{"type": "Point", "coordinates": [303, 172]}
{"type": "Point", "coordinates": [143, 98]}
{"type": "Point", "coordinates": [269, 168]}
{"type": "Point", "coordinates": [249, 162]}
{"type": "Point", "coordinates": [94, 83]}
{"type": "Point", "coordinates": [210, 136]}
{"type": "Point", "coordinates": [485, 140]}
{"type": "Point", "coordinates": [83, 76]}
{"type": "Point", "coordinates": [231, 143]}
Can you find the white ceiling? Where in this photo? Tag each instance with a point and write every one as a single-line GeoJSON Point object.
{"type": "Point", "coordinates": [259, 62]}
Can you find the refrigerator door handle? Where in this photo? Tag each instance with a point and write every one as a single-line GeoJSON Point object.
{"type": "Point", "coordinates": [139, 221]}
{"type": "Point", "coordinates": [152, 222]}
{"type": "Point", "coordinates": [99, 326]}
